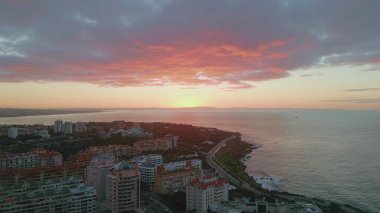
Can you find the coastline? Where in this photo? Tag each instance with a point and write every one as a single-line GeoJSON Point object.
{"type": "Point", "coordinates": [197, 123]}
{"type": "Point", "coordinates": [324, 204]}
{"type": "Point", "coordinates": [15, 113]}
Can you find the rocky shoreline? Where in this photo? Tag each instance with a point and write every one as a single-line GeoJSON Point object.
{"type": "Point", "coordinates": [233, 156]}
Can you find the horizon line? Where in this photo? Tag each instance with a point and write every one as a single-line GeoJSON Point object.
{"type": "Point", "coordinates": [182, 108]}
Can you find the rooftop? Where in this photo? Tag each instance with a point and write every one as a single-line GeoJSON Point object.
{"type": "Point", "coordinates": [124, 165]}
{"type": "Point", "coordinates": [208, 181]}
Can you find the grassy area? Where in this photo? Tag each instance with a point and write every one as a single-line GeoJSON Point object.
{"type": "Point", "coordinates": [236, 168]}
{"type": "Point", "coordinates": [233, 166]}
{"type": "Point", "coordinates": [229, 157]}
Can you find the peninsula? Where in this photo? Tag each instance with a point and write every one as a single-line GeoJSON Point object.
{"type": "Point", "coordinates": [181, 153]}
{"type": "Point", "coordinates": [13, 112]}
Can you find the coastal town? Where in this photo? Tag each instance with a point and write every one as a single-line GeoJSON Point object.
{"type": "Point", "coordinates": [135, 167]}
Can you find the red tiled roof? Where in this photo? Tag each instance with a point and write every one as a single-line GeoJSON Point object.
{"type": "Point", "coordinates": [205, 185]}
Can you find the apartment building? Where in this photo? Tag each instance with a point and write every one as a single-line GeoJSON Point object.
{"type": "Point", "coordinates": [195, 163]}
{"type": "Point", "coordinates": [154, 159]}
{"type": "Point", "coordinates": [33, 159]}
{"type": "Point", "coordinates": [147, 167]}
{"type": "Point", "coordinates": [97, 171]}
{"type": "Point", "coordinates": [16, 177]}
{"type": "Point", "coordinates": [123, 188]}
{"type": "Point", "coordinates": [164, 143]}
{"type": "Point", "coordinates": [60, 195]}
{"type": "Point", "coordinates": [116, 150]}
{"type": "Point", "coordinates": [205, 192]}
{"type": "Point", "coordinates": [173, 178]}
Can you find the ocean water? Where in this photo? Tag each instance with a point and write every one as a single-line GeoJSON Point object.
{"type": "Point", "coordinates": [333, 154]}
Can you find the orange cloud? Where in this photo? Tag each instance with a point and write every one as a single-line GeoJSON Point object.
{"type": "Point", "coordinates": [164, 64]}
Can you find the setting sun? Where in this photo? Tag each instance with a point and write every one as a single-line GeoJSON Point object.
{"type": "Point", "coordinates": [187, 102]}
{"type": "Point", "coordinates": [190, 106]}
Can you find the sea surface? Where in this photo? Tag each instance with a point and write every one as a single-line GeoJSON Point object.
{"type": "Point", "coordinates": [332, 154]}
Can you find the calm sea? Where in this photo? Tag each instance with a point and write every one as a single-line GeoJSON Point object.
{"type": "Point", "coordinates": [333, 154]}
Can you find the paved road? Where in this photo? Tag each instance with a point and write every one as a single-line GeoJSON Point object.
{"type": "Point", "coordinates": [212, 162]}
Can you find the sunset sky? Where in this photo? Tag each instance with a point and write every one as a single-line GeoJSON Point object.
{"type": "Point", "coordinates": [173, 53]}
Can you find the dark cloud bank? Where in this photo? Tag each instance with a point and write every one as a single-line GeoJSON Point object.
{"type": "Point", "coordinates": [146, 42]}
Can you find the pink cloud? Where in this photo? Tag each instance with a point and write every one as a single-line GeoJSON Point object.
{"type": "Point", "coordinates": [167, 64]}
{"type": "Point", "coordinates": [189, 43]}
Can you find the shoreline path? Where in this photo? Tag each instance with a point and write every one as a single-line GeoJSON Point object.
{"type": "Point", "coordinates": [210, 159]}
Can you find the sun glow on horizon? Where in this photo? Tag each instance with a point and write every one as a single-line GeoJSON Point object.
{"type": "Point", "coordinates": [187, 102]}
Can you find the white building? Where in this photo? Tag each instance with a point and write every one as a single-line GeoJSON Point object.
{"type": "Point", "coordinates": [33, 159]}
{"type": "Point", "coordinates": [148, 174]}
{"type": "Point", "coordinates": [13, 132]}
{"type": "Point", "coordinates": [58, 126]}
{"type": "Point", "coordinates": [195, 163]}
{"type": "Point", "coordinates": [68, 128]}
{"type": "Point", "coordinates": [80, 127]}
{"type": "Point", "coordinates": [44, 133]}
{"type": "Point", "coordinates": [154, 159]}
{"type": "Point", "coordinates": [123, 188]}
{"type": "Point", "coordinates": [48, 158]}
{"type": "Point", "coordinates": [66, 195]}
{"type": "Point", "coordinates": [82, 199]}
{"type": "Point", "coordinates": [134, 132]}
{"type": "Point", "coordinates": [165, 143]}
{"type": "Point", "coordinates": [19, 160]}
{"type": "Point", "coordinates": [206, 192]}
{"type": "Point", "coordinates": [97, 171]}
{"type": "Point", "coordinates": [147, 166]}
{"type": "Point", "coordinates": [264, 207]}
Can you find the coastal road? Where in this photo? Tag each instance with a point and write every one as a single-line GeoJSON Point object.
{"type": "Point", "coordinates": [210, 159]}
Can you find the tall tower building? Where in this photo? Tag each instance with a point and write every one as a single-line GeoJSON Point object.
{"type": "Point", "coordinates": [97, 171]}
{"type": "Point", "coordinates": [58, 126]}
{"type": "Point", "coordinates": [68, 128]}
{"type": "Point", "coordinates": [123, 188]}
